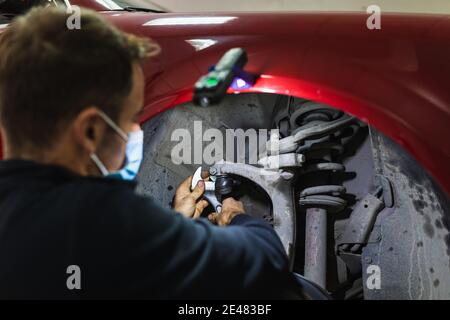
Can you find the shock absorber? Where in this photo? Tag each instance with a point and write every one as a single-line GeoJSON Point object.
{"type": "Point", "coordinates": [320, 195]}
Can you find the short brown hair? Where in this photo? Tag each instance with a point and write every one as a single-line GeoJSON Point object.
{"type": "Point", "coordinates": [49, 73]}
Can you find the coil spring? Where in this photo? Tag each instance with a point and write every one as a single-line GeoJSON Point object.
{"type": "Point", "coordinates": [323, 151]}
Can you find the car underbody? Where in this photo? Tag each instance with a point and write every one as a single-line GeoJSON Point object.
{"type": "Point", "coordinates": [357, 215]}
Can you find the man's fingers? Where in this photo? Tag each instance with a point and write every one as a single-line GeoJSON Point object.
{"type": "Point", "coordinates": [205, 174]}
{"type": "Point", "coordinates": [199, 207]}
{"type": "Point", "coordinates": [218, 219]}
{"type": "Point", "coordinates": [198, 190]}
{"type": "Point", "coordinates": [230, 204]}
{"type": "Point", "coordinates": [186, 184]}
{"type": "Point", "coordinates": [213, 217]}
{"type": "Point", "coordinates": [185, 187]}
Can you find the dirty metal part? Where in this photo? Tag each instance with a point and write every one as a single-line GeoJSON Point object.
{"type": "Point", "coordinates": [342, 270]}
{"type": "Point", "coordinates": [323, 201]}
{"type": "Point", "coordinates": [358, 258]}
{"type": "Point", "coordinates": [212, 171]}
{"type": "Point", "coordinates": [361, 223]}
{"type": "Point", "coordinates": [308, 112]}
{"type": "Point", "coordinates": [315, 137]}
{"type": "Point", "coordinates": [334, 147]}
{"type": "Point", "coordinates": [328, 189]}
{"type": "Point", "coordinates": [283, 126]}
{"type": "Point", "coordinates": [320, 201]}
{"type": "Point", "coordinates": [322, 129]}
{"type": "Point", "coordinates": [324, 166]}
{"type": "Point", "coordinates": [316, 246]}
{"type": "Point", "coordinates": [271, 147]}
{"type": "Point", "coordinates": [280, 192]}
{"type": "Point", "coordinates": [281, 114]}
{"type": "Point", "coordinates": [325, 196]}
{"type": "Point", "coordinates": [282, 161]}
{"type": "Point", "coordinates": [223, 185]}
{"type": "Point", "coordinates": [290, 143]}
{"type": "Point", "coordinates": [352, 263]}
{"type": "Point", "coordinates": [388, 194]}
{"type": "Point", "coordinates": [287, 175]}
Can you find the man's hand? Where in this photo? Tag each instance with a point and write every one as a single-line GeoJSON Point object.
{"type": "Point", "coordinates": [187, 202]}
{"type": "Point", "coordinates": [230, 209]}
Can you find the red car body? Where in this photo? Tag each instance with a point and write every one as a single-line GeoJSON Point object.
{"type": "Point", "coordinates": [396, 79]}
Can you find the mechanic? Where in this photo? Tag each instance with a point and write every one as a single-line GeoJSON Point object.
{"type": "Point", "coordinates": [69, 109]}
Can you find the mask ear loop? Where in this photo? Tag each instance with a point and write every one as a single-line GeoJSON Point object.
{"type": "Point", "coordinates": [99, 164]}
{"type": "Point", "coordinates": [119, 131]}
{"type": "Point", "coordinates": [111, 123]}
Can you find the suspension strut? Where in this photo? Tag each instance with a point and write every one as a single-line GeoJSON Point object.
{"type": "Point", "coordinates": [321, 195]}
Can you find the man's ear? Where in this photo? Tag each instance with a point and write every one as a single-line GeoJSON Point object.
{"type": "Point", "coordinates": [89, 129]}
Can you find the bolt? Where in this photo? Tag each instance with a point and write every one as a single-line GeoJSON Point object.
{"type": "Point", "coordinates": [213, 171]}
{"type": "Point", "coordinates": [368, 259]}
{"type": "Point", "coordinates": [287, 175]}
{"type": "Point", "coordinates": [300, 158]}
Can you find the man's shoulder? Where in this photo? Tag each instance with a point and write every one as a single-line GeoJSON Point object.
{"type": "Point", "coordinates": [115, 206]}
{"type": "Point", "coordinates": [103, 184]}
{"type": "Point", "coordinates": [108, 191]}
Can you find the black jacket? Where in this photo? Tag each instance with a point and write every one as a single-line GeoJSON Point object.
{"type": "Point", "coordinates": [126, 245]}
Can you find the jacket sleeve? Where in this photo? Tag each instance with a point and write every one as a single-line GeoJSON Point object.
{"type": "Point", "coordinates": [174, 257]}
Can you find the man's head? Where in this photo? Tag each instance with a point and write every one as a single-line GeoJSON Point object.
{"type": "Point", "coordinates": [54, 81]}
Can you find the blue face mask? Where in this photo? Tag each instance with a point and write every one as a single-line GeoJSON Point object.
{"type": "Point", "coordinates": [134, 152]}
